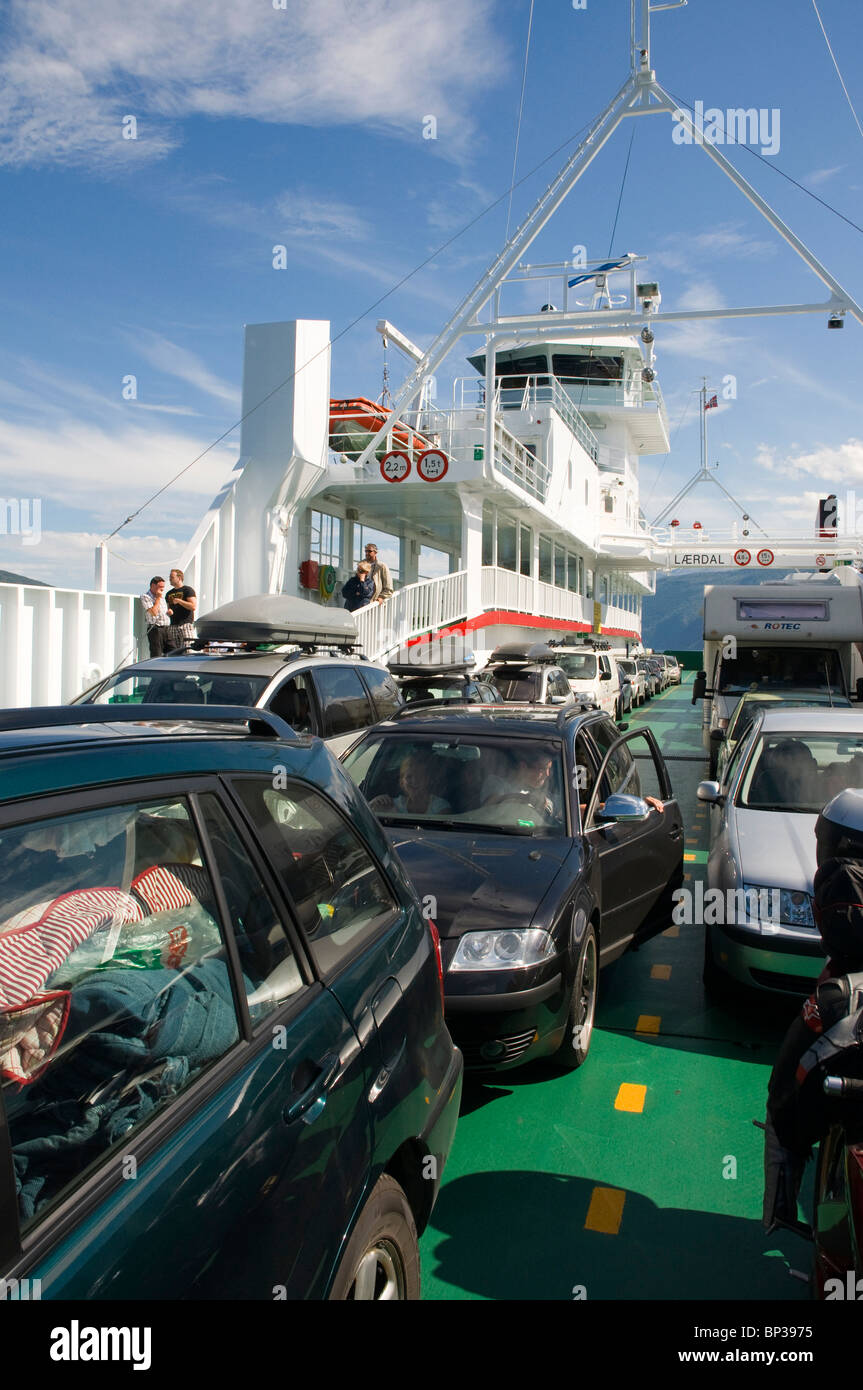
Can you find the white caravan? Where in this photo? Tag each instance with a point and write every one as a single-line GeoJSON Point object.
{"type": "Point", "coordinates": [800, 636]}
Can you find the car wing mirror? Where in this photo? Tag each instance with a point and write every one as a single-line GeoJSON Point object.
{"type": "Point", "coordinates": [709, 791]}
{"type": "Point", "coordinates": [699, 686]}
{"type": "Point", "coordinates": [623, 809]}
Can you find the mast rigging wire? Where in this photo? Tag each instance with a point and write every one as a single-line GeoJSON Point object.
{"type": "Point", "coordinates": [518, 125]}
{"type": "Point", "coordinates": [836, 66]}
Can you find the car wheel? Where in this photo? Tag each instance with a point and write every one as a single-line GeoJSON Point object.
{"type": "Point", "coordinates": [582, 1005]}
{"type": "Point", "coordinates": [382, 1259]}
{"type": "Point", "coordinates": [717, 984]}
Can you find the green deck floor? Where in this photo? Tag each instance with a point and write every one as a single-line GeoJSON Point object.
{"type": "Point", "coordinates": [550, 1188]}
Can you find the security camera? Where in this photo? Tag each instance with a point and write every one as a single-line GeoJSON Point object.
{"type": "Point", "coordinates": [646, 335]}
{"type": "Point", "coordinates": [648, 374]}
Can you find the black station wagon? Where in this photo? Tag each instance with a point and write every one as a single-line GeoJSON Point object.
{"type": "Point", "coordinates": [527, 834]}
{"type": "Point", "coordinates": [224, 1069]}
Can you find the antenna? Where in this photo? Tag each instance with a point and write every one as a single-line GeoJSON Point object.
{"type": "Point", "coordinates": [641, 10]}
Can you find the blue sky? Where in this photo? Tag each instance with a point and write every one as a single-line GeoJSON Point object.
{"type": "Point", "coordinates": [259, 126]}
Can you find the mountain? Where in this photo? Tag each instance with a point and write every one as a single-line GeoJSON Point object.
{"type": "Point", "coordinates": [7, 577]}
{"type": "Point", "coordinates": [671, 618]}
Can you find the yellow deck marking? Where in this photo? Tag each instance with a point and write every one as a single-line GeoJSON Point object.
{"type": "Point", "coordinates": [660, 972]}
{"type": "Point", "coordinates": [693, 841]}
{"type": "Point", "coordinates": [687, 878]}
{"type": "Point", "coordinates": [648, 1023]}
{"type": "Point", "coordinates": [675, 930]}
{"type": "Point", "coordinates": [605, 1211]}
{"type": "Point", "coordinates": [688, 858]}
{"type": "Point", "coordinates": [630, 1097]}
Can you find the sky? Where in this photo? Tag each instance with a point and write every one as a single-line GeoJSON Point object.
{"type": "Point", "coordinates": [307, 126]}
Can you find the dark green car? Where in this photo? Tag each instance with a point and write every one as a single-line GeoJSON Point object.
{"type": "Point", "coordinates": [224, 1071]}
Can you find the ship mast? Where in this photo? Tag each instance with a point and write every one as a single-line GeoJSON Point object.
{"type": "Point", "coordinates": [640, 95]}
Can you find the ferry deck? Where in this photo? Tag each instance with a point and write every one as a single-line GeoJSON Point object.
{"type": "Point", "coordinates": [639, 1176]}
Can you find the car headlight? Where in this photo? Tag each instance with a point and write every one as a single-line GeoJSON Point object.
{"type": "Point", "coordinates": [795, 906]}
{"type": "Point", "coordinates": [502, 950]}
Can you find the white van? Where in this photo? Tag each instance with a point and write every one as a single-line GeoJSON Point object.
{"type": "Point", "coordinates": [593, 676]}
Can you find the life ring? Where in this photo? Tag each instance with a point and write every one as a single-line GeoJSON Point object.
{"type": "Point", "coordinates": [327, 581]}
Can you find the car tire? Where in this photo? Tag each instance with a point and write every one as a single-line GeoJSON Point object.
{"type": "Point", "coordinates": [382, 1258]}
{"type": "Point", "coordinates": [582, 1005]}
{"type": "Point", "coordinates": [717, 984]}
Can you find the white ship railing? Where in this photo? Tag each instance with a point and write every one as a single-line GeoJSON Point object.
{"type": "Point", "coordinates": [56, 642]}
{"type": "Point", "coordinates": [412, 611]}
{"type": "Point", "coordinates": [431, 604]}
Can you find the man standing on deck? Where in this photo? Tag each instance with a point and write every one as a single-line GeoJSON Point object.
{"type": "Point", "coordinates": [156, 613]}
{"type": "Point", "coordinates": [380, 574]}
{"type": "Point", "coordinates": [182, 602]}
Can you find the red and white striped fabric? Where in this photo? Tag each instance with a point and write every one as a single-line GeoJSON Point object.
{"type": "Point", "coordinates": [163, 889]}
{"type": "Point", "coordinates": [35, 942]}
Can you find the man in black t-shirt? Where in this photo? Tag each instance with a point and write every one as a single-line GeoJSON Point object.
{"type": "Point", "coordinates": [182, 602]}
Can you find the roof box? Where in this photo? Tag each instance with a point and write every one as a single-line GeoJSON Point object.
{"type": "Point", "coordinates": [278, 618]}
{"type": "Point", "coordinates": [521, 653]}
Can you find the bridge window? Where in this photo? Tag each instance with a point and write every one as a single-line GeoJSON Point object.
{"type": "Point", "coordinates": [588, 583]}
{"type": "Point", "coordinates": [325, 544]}
{"type": "Point", "coordinates": [572, 564]}
{"type": "Point", "coordinates": [516, 371]}
{"type": "Point", "coordinates": [579, 367]}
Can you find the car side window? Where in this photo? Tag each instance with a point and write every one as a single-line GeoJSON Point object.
{"type": "Point", "coordinates": [386, 696]}
{"type": "Point", "coordinates": [293, 702]}
{"type": "Point", "coordinates": [345, 704]}
{"type": "Point", "coordinates": [621, 774]}
{"type": "Point", "coordinates": [340, 896]}
{"type": "Point", "coordinates": [271, 972]}
{"type": "Point", "coordinates": [115, 986]}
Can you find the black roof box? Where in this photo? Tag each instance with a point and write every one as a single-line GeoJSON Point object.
{"type": "Point", "coordinates": [522, 653]}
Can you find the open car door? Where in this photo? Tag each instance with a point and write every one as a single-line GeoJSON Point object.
{"type": "Point", "coordinates": [640, 855]}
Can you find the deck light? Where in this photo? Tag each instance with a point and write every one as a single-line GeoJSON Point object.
{"type": "Point", "coordinates": [837, 320]}
{"type": "Point", "coordinates": [646, 335]}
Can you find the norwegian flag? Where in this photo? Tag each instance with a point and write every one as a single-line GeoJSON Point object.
{"type": "Point", "coordinates": [709, 405]}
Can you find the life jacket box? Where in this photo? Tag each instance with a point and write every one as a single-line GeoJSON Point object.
{"type": "Point", "coordinates": [310, 574]}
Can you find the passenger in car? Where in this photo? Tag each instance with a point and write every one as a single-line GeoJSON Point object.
{"type": "Point", "coordinates": [416, 794]}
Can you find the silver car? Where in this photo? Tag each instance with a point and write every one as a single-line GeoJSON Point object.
{"type": "Point", "coordinates": [759, 926]}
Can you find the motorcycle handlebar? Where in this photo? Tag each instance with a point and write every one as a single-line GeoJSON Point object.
{"type": "Point", "coordinates": [842, 1086]}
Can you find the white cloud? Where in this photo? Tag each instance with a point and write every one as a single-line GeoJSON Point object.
{"type": "Point", "coordinates": [65, 559]}
{"type": "Point", "coordinates": [71, 71]}
{"type": "Point", "coordinates": [70, 463]}
{"type": "Point", "coordinates": [178, 362]}
{"type": "Point", "coordinates": [836, 465]}
{"type": "Point", "coordinates": [819, 176]}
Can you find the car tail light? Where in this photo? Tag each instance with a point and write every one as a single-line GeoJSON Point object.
{"type": "Point", "coordinates": [435, 936]}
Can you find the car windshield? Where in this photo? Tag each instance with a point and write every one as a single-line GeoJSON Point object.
{"type": "Point", "coordinates": [627, 667]}
{"type": "Point", "coordinates": [508, 786]}
{"type": "Point", "coordinates": [801, 771]}
{"type": "Point", "coordinates": [780, 668]}
{"type": "Point", "coordinates": [578, 665]}
{"type": "Point", "coordinates": [518, 685]}
{"type": "Point", "coordinates": [173, 687]}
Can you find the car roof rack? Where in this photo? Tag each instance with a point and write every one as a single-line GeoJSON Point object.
{"type": "Point", "coordinates": [261, 722]}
